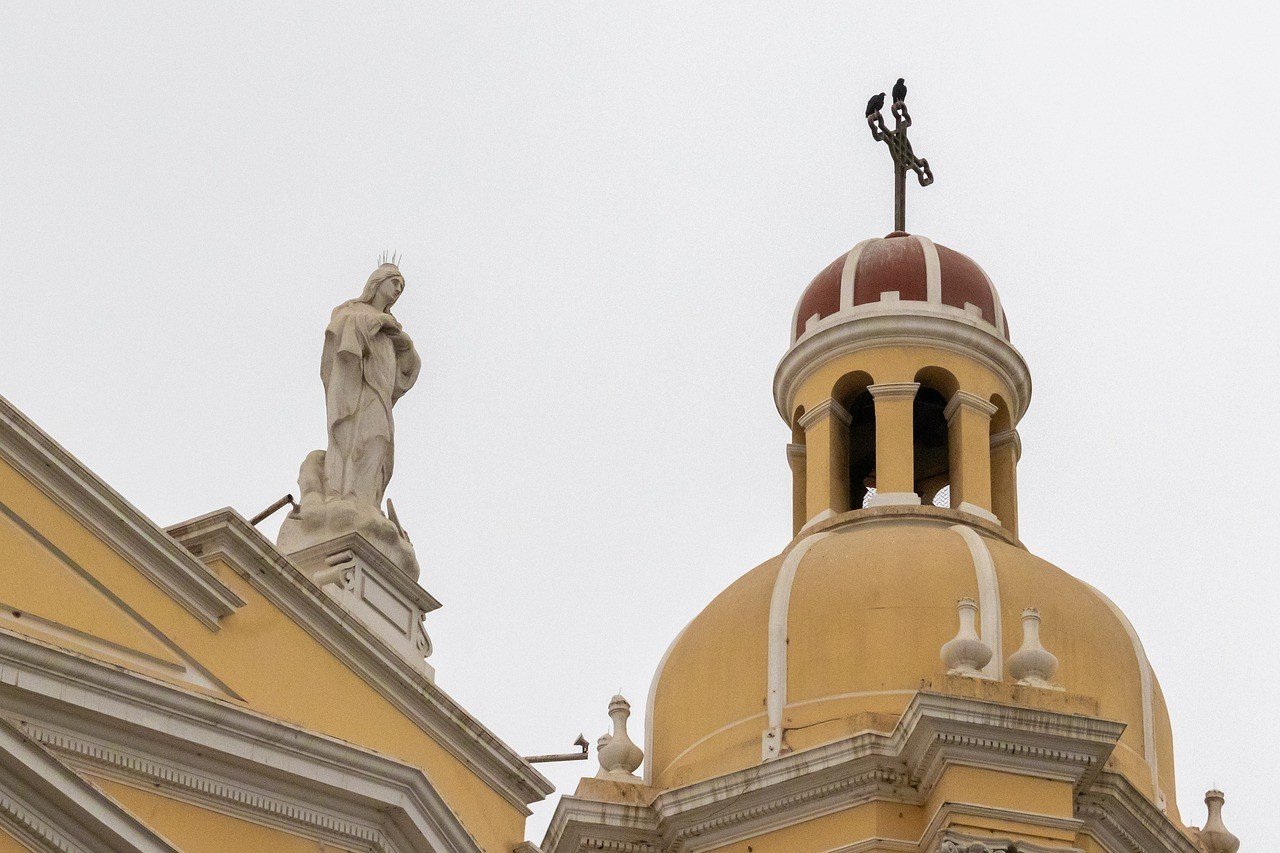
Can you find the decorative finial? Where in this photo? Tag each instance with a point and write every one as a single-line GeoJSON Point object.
{"type": "Point", "coordinates": [618, 755]}
{"type": "Point", "coordinates": [1032, 665]}
{"type": "Point", "coordinates": [899, 149]}
{"type": "Point", "coordinates": [966, 654]}
{"type": "Point", "coordinates": [1215, 838]}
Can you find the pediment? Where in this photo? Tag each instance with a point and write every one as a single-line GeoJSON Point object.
{"type": "Point", "coordinates": [71, 549]}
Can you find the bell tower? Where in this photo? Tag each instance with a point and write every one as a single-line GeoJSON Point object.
{"type": "Point", "coordinates": [901, 386]}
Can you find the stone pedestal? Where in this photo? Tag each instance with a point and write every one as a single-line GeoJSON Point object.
{"type": "Point", "coordinates": [373, 589]}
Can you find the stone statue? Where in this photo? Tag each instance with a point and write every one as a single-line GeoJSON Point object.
{"type": "Point", "coordinates": [368, 363]}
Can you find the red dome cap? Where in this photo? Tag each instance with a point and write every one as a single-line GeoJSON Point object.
{"type": "Point", "coordinates": [901, 268]}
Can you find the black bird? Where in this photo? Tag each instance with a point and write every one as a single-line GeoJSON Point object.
{"type": "Point", "coordinates": [875, 105]}
{"type": "Point", "coordinates": [899, 91]}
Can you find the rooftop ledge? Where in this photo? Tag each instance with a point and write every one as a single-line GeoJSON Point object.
{"type": "Point", "coordinates": [934, 514]}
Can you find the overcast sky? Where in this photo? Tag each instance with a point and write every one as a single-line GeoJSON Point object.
{"type": "Point", "coordinates": [607, 212]}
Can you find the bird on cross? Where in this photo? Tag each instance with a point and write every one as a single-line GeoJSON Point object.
{"type": "Point", "coordinates": [899, 148]}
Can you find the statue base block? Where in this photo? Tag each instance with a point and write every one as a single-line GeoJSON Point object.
{"type": "Point", "coordinates": [372, 588]}
{"type": "Point", "coordinates": [320, 521]}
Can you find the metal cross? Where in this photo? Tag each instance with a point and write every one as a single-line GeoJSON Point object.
{"type": "Point", "coordinates": [899, 148]}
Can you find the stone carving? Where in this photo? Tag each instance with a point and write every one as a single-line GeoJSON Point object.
{"type": "Point", "coordinates": [966, 654]}
{"type": "Point", "coordinates": [1032, 665]}
{"type": "Point", "coordinates": [1215, 838]}
{"type": "Point", "coordinates": [619, 756]}
{"type": "Point", "coordinates": [368, 363]}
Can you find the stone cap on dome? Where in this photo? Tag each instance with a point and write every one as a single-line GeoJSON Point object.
{"type": "Point", "coordinates": [901, 267]}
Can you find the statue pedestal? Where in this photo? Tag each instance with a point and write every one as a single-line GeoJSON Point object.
{"type": "Point", "coordinates": [373, 589]}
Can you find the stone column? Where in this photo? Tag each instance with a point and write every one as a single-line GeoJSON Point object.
{"type": "Point", "coordinates": [969, 445]}
{"type": "Point", "coordinates": [895, 451]}
{"type": "Point", "coordinates": [796, 454]}
{"type": "Point", "coordinates": [826, 442]}
{"type": "Point", "coordinates": [1006, 450]}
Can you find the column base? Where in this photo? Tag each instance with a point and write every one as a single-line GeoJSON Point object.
{"type": "Point", "coordinates": [974, 509]}
{"type": "Point", "coordinates": [894, 499]}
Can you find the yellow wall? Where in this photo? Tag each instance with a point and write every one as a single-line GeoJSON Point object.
{"type": "Point", "coordinates": [275, 666]}
{"type": "Point", "coordinates": [9, 844]}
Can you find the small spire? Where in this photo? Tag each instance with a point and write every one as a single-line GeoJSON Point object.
{"type": "Point", "coordinates": [618, 755]}
{"type": "Point", "coordinates": [966, 654]}
{"type": "Point", "coordinates": [1032, 664]}
{"type": "Point", "coordinates": [1215, 838]}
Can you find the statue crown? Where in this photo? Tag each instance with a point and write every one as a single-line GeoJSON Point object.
{"type": "Point", "coordinates": [392, 258]}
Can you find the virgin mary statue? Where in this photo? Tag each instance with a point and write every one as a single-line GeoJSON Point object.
{"type": "Point", "coordinates": [368, 363]}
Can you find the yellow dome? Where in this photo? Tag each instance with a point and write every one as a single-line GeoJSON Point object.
{"type": "Point", "coordinates": [833, 636]}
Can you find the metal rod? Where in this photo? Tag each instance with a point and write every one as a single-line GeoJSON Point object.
{"type": "Point", "coordinates": [266, 513]}
{"type": "Point", "coordinates": [899, 197]}
{"type": "Point", "coordinates": [581, 743]}
{"type": "Point", "coordinates": [561, 756]}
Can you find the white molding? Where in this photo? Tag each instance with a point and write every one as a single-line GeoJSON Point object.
{"type": "Point", "coordinates": [828, 408]}
{"type": "Point", "coordinates": [220, 749]}
{"type": "Point", "coordinates": [894, 390]}
{"type": "Point", "coordinates": [990, 617]}
{"type": "Point", "coordinates": [1147, 683]}
{"type": "Point", "coordinates": [893, 499]}
{"type": "Point", "coordinates": [779, 604]}
{"type": "Point", "coordinates": [934, 732]}
{"type": "Point", "coordinates": [932, 270]}
{"type": "Point", "coordinates": [1008, 436]}
{"type": "Point", "coordinates": [969, 401]}
{"type": "Point", "coordinates": [849, 275]}
{"type": "Point", "coordinates": [67, 482]}
{"type": "Point", "coordinates": [974, 509]}
{"type": "Point", "coordinates": [225, 535]}
{"type": "Point", "coordinates": [51, 808]}
{"type": "Point", "coordinates": [905, 324]}
{"type": "Point", "coordinates": [818, 518]}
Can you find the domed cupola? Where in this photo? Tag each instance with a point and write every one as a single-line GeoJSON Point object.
{"type": "Point", "coordinates": [878, 275]}
{"type": "Point", "coordinates": [901, 386]}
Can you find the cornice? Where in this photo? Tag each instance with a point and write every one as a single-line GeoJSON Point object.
{"type": "Point", "coordinates": [217, 751]}
{"type": "Point", "coordinates": [67, 482]}
{"type": "Point", "coordinates": [1120, 817]}
{"type": "Point", "coordinates": [967, 400]}
{"type": "Point", "coordinates": [828, 408]}
{"type": "Point", "coordinates": [49, 807]}
{"type": "Point", "coordinates": [898, 514]}
{"type": "Point", "coordinates": [225, 535]}
{"type": "Point", "coordinates": [894, 390]}
{"type": "Point", "coordinates": [873, 326]}
{"type": "Point", "coordinates": [900, 766]}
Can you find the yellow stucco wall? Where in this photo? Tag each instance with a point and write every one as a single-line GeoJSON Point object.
{"type": "Point", "coordinates": [9, 844]}
{"type": "Point", "coordinates": [263, 656]}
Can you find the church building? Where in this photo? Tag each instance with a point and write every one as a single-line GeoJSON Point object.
{"type": "Point", "coordinates": [904, 676]}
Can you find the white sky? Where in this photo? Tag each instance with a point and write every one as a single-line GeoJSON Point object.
{"type": "Point", "coordinates": [606, 216]}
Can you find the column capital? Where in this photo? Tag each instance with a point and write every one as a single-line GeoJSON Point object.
{"type": "Point", "coordinates": [828, 408]}
{"type": "Point", "coordinates": [1009, 436]}
{"type": "Point", "coordinates": [796, 453]}
{"type": "Point", "coordinates": [894, 390]}
{"type": "Point", "coordinates": [967, 400]}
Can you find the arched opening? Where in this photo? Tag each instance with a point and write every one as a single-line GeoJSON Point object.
{"type": "Point", "coordinates": [930, 437]}
{"type": "Point", "coordinates": [797, 458]}
{"type": "Point", "coordinates": [851, 393]}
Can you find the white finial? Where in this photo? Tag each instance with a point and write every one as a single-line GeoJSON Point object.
{"type": "Point", "coordinates": [966, 654]}
{"type": "Point", "coordinates": [618, 756]}
{"type": "Point", "coordinates": [1215, 838]}
{"type": "Point", "coordinates": [1032, 665]}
